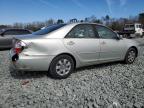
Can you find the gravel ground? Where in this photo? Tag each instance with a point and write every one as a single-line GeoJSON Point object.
{"type": "Point", "coordinates": [113, 85]}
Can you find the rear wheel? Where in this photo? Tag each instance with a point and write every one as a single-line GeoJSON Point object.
{"type": "Point", "coordinates": [61, 67]}
{"type": "Point", "coordinates": [130, 56]}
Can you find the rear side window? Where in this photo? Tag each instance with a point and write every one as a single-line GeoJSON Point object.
{"type": "Point", "coordinates": [82, 31]}
{"type": "Point", "coordinates": [48, 29]}
{"type": "Point", "coordinates": [16, 32]}
{"type": "Point", "coordinates": [10, 32]}
{"type": "Point", "coordinates": [21, 32]}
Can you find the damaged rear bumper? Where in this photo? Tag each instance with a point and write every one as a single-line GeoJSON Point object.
{"type": "Point", "coordinates": [30, 62]}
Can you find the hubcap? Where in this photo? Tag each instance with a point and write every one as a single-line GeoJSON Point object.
{"type": "Point", "coordinates": [63, 67]}
{"type": "Point", "coordinates": [131, 56]}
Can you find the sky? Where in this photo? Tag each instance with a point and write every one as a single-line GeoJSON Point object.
{"type": "Point", "coordinates": [25, 11]}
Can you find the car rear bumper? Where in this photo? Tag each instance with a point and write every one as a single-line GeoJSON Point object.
{"type": "Point", "coordinates": [30, 62]}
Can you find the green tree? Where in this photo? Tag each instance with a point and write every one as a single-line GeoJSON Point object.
{"type": "Point", "coordinates": [18, 25]}
{"type": "Point", "coordinates": [73, 20]}
{"type": "Point", "coordinates": [116, 26]}
{"type": "Point", "coordinates": [60, 21]}
{"type": "Point", "coordinates": [4, 26]}
{"type": "Point", "coordinates": [107, 19]}
{"type": "Point", "coordinates": [98, 21]}
{"type": "Point", "coordinates": [49, 22]}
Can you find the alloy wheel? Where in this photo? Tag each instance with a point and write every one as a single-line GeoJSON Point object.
{"type": "Point", "coordinates": [63, 67]}
{"type": "Point", "coordinates": [131, 56]}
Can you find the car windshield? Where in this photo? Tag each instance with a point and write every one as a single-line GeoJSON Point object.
{"type": "Point", "coordinates": [48, 29]}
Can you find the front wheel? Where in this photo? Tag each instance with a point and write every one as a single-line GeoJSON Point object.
{"type": "Point", "coordinates": [61, 67]}
{"type": "Point", "coordinates": [130, 56]}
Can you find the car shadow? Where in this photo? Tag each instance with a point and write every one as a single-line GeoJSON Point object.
{"type": "Point", "coordinates": [33, 74]}
{"type": "Point", "coordinates": [27, 74]}
{"type": "Point", "coordinates": [97, 66]}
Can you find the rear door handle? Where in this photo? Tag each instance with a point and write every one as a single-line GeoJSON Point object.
{"type": "Point", "coordinates": [70, 43]}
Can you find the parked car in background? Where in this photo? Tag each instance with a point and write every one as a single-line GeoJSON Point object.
{"type": "Point", "coordinates": [132, 30]}
{"type": "Point", "coordinates": [6, 36]}
{"type": "Point", "coordinates": [59, 49]}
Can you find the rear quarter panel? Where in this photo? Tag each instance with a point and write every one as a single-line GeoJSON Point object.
{"type": "Point", "coordinates": [47, 47]}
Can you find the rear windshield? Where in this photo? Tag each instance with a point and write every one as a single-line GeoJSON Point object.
{"type": "Point", "coordinates": [48, 29]}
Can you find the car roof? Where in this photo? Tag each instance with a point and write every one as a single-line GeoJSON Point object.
{"type": "Point", "coordinates": [60, 33]}
{"type": "Point", "coordinates": [83, 23]}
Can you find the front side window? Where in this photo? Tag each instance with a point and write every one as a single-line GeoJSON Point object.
{"type": "Point", "coordinates": [105, 33]}
{"type": "Point", "coordinates": [82, 31]}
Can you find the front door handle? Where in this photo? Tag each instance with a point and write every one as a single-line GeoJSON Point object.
{"type": "Point", "coordinates": [70, 43]}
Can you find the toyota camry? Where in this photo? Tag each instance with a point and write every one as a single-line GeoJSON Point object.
{"type": "Point", "coordinates": [59, 49]}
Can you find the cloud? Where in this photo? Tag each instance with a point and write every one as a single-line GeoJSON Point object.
{"type": "Point", "coordinates": [47, 3]}
{"type": "Point", "coordinates": [79, 4]}
{"type": "Point", "coordinates": [109, 4]}
{"type": "Point", "coordinates": [123, 2]}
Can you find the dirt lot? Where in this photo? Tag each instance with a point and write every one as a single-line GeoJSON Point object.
{"type": "Point", "coordinates": [100, 86]}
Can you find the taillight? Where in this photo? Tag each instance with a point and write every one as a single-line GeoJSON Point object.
{"type": "Point", "coordinates": [19, 47]}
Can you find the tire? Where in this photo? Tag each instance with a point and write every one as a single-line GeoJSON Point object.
{"type": "Point", "coordinates": [61, 67]}
{"type": "Point", "coordinates": [130, 56]}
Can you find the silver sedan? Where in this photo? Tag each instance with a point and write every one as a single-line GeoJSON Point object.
{"type": "Point", "coordinates": [59, 49]}
{"type": "Point", "coordinates": [6, 36]}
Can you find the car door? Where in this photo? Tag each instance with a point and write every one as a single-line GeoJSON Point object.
{"type": "Point", "coordinates": [111, 47]}
{"type": "Point", "coordinates": [83, 42]}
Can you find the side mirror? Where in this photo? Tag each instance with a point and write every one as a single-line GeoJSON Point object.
{"type": "Point", "coordinates": [119, 36]}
